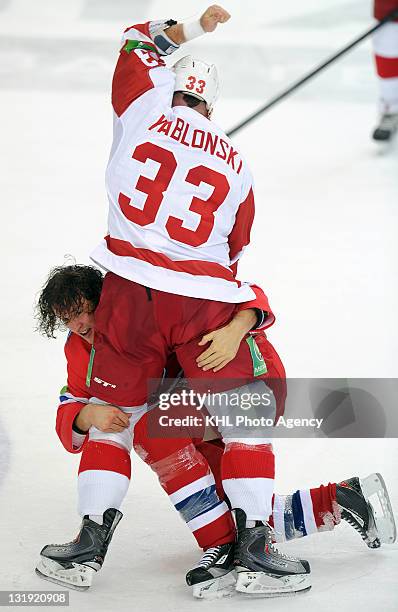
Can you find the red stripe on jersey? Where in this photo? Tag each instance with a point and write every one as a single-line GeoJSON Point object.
{"type": "Point", "coordinates": [141, 27]}
{"type": "Point", "coordinates": [324, 502]}
{"type": "Point", "coordinates": [196, 268]}
{"type": "Point", "coordinates": [102, 456]}
{"type": "Point", "coordinates": [66, 415]}
{"type": "Point", "coordinates": [131, 77]}
{"type": "Point", "coordinates": [248, 461]}
{"type": "Point", "coordinates": [387, 67]}
{"type": "Point", "coordinates": [220, 531]}
{"type": "Point", "coordinates": [240, 234]}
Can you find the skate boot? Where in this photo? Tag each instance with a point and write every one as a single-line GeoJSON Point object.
{"type": "Point", "coordinates": [261, 569]}
{"type": "Point", "coordinates": [365, 505]}
{"type": "Point", "coordinates": [214, 576]}
{"type": "Point", "coordinates": [387, 127]}
{"type": "Point", "coordinates": [75, 564]}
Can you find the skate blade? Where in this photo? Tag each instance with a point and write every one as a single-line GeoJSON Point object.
{"type": "Point", "coordinates": [260, 584]}
{"type": "Point", "coordinates": [217, 588]}
{"type": "Point", "coordinates": [375, 492]}
{"type": "Point", "coordinates": [79, 577]}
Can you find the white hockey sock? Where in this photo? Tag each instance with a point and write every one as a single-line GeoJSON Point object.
{"type": "Point", "coordinates": [96, 518]}
{"type": "Point", "coordinates": [99, 490]}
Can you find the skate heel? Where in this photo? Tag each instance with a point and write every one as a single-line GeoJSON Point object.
{"type": "Point", "coordinates": [77, 576]}
{"type": "Point", "coordinates": [216, 588]}
{"type": "Point", "coordinates": [375, 492]}
{"type": "Point", "coordinates": [261, 584]}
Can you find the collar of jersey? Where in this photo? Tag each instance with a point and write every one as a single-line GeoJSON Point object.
{"type": "Point", "coordinates": [190, 112]}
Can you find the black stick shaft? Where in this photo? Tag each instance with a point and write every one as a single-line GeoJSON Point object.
{"type": "Point", "coordinates": [313, 72]}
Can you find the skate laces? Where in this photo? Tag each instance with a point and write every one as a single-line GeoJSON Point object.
{"type": "Point", "coordinates": [270, 546]}
{"type": "Point", "coordinates": [209, 557]}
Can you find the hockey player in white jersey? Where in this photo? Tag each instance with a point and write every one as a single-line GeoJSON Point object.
{"type": "Point", "coordinates": [180, 195]}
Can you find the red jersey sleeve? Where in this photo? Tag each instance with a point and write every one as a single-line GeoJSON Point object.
{"type": "Point", "coordinates": [239, 237]}
{"type": "Point", "coordinates": [139, 69]}
{"type": "Point", "coordinates": [383, 7]}
{"type": "Point", "coordinates": [259, 303]}
{"type": "Point", "coordinates": [74, 396]}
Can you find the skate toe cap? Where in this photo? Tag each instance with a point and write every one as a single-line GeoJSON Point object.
{"type": "Point", "coordinates": [196, 575]}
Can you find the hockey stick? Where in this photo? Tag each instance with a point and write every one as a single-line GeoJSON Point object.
{"type": "Point", "coordinates": [311, 74]}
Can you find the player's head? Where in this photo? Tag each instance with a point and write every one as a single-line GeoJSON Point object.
{"type": "Point", "coordinates": [68, 299]}
{"type": "Point", "coordinates": [196, 85]}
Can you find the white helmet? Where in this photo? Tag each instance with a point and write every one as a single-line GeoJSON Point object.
{"type": "Point", "coordinates": [197, 79]}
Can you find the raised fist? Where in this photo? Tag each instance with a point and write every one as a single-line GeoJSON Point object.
{"type": "Point", "coordinates": [212, 16]}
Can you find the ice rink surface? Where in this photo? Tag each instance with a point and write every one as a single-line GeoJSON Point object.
{"type": "Point", "coordinates": [324, 248]}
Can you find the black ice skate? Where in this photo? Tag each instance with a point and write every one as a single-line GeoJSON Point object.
{"type": "Point", "coordinates": [365, 505]}
{"type": "Point", "coordinates": [387, 127]}
{"type": "Point", "coordinates": [75, 564]}
{"type": "Point", "coordinates": [214, 576]}
{"type": "Point", "coordinates": [261, 569]}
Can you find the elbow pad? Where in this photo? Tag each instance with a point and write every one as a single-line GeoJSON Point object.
{"type": "Point", "coordinates": [164, 44]}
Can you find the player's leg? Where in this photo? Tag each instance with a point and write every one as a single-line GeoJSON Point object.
{"type": "Point", "coordinates": [385, 44]}
{"type": "Point", "coordinates": [248, 469]}
{"type": "Point", "coordinates": [186, 477]}
{"type": "Point", "coordinates": [363, 503]}
{"type": "Point", "coordinates": [103, 481]}
{"type": "Point", "coordinates": [212, 451]}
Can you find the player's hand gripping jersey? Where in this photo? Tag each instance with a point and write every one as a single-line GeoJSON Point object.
{"type": "Point", "coordinates": [180, 195]}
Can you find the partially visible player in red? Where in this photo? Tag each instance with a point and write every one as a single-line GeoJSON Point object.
{"type": "Point", "coordinates": [385, 44]}
{"type": "Point", "coordinates": [188, 468]}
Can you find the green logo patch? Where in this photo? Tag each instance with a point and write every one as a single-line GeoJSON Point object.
{"type": "Point", "coordinates": [259, 365]}
{"type": "Point", "coordinates": [90, 367]}
{"type": "Point", "coordinates": [131, 45]}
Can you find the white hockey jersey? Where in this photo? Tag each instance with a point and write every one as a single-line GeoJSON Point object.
{"type": "Point", "coordinates": [180, 195]}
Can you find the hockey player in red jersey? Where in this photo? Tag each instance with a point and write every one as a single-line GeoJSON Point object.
{"type": "Point", "coordinates": [181, 208]}
{"type": "Point", "coordinates": [385, 45]}
{"type": "Point", "coordinates": [188, 468]}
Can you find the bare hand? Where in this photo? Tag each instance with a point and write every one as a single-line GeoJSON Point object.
{"type": "Point", "coordinates": [212, 16]}
{"type": "Point", "coordinates": [225, 341]}
{"type": "Point", "coordinates": [108, 419]}
{"type": "Point", "coordinates": [224, 345]}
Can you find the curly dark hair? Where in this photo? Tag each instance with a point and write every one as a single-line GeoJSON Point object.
{"type": "Point", "coordinates": [63, 294]}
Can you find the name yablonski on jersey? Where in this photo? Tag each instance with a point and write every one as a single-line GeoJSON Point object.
{"type": "Point", "coordinates": [182, 132]}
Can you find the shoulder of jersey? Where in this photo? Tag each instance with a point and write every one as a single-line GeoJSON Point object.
{"type": "Point", "coordinates": [75, 346]}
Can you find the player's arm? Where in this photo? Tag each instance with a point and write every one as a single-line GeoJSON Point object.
{"type": "Point", "coordinates": [238, 240]}
{"type": "Point", "coordinates": [239, 236]}
{"type": "Point", "coordinates": [183, 32]}
{"type": "Point", "coordinates": [106, 418]}
{"type": "Point", "coordinates": [260, 305]}
{"type": "Point", "coordinates": [76, 415]}
{"type": "Point", "coordinates": [69, 408]}
{"type": "Point", "coordinates": [141, 68]}
{"type": "Point", "coordinates": [225, 342]}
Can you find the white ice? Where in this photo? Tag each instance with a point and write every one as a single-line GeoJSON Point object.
{"type": "Point", "coordinates": [324, 248]}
